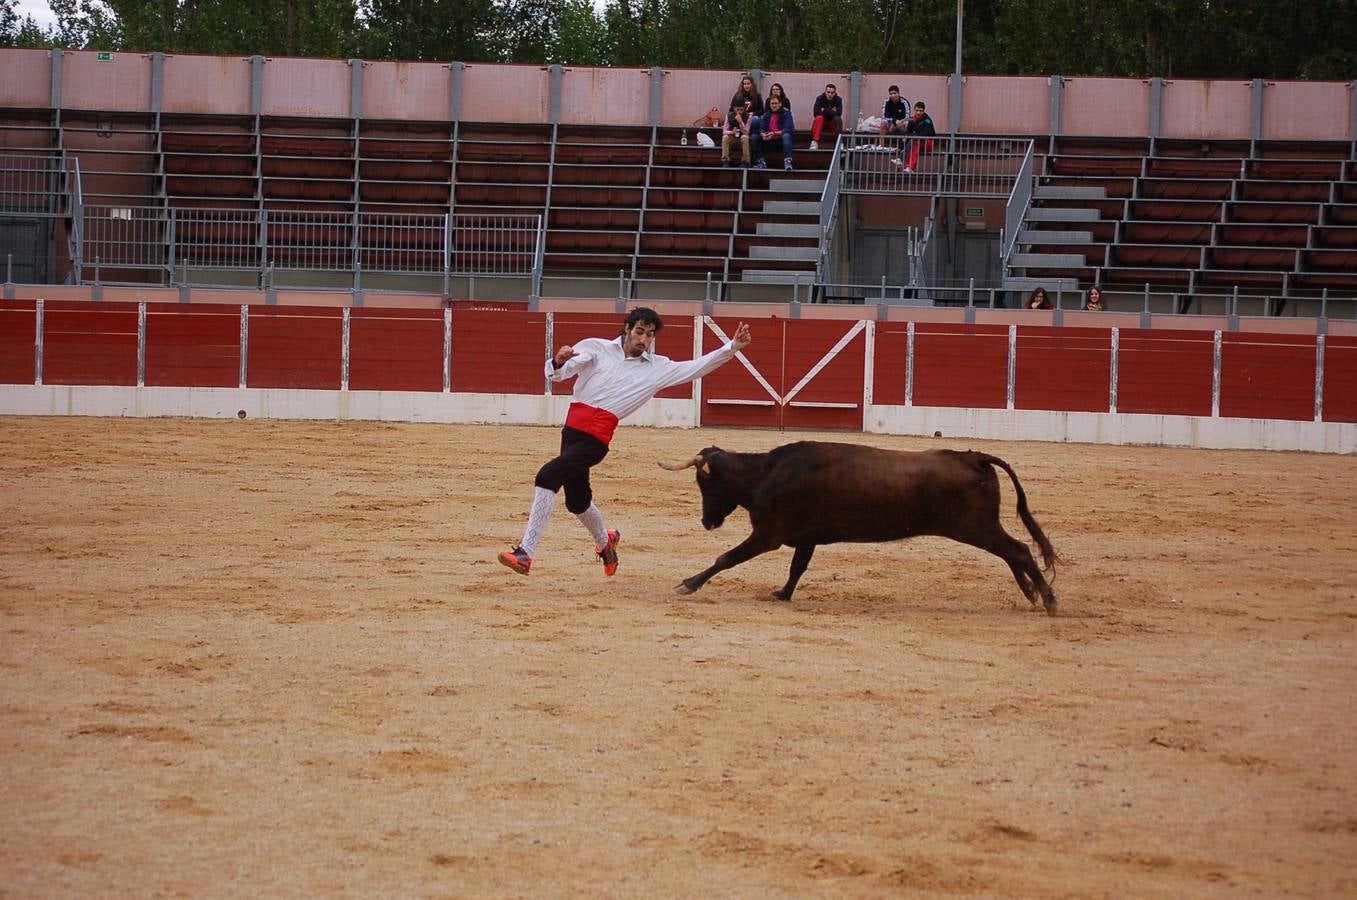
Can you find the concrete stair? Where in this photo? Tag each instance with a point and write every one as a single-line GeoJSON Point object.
{"type": "Point", "coordinates": [1057, 214]}
{"type": "Point", "coordinates": [802, 254]}
{"type": "Point", "coordinates": [797, 198]}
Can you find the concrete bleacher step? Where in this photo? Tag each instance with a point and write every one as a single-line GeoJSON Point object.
{"type": "Point", "coordinates": [796, 186]}
{"type": "Point", "coordinates": [794, 207]}
{"type": "Point", "coordinates": [787, 229]}
{"type": "Point", "coordinates": [1069, 192]}
{"type": "Point", "coordinates": [806, 254]}
{"type": "Point", "coordinates": [1036, 236]}
{"type": "Point", "coordinates": [1056, 214]}
{"type": "Point", "coordinates": [778, 276]}
{"type": "Point", "coordinates": [1020, 283]}
{"type": "Point", "coordinates": [1047, 260]}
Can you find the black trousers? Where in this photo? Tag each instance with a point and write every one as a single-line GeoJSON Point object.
{"type": "Point", "coordinates": [580, 452]}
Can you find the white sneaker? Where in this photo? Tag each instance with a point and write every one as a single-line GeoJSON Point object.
{"type": "Point", "coordinates": [815, 145]}
{"type": "Point", "coordinates": [895, 161]}
{"type": "Point", "coordinates": [908, 170]}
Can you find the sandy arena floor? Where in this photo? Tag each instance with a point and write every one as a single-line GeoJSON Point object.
{"type": "Point", "coordinates": [279, 659]}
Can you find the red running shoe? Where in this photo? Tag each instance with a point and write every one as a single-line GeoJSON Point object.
{"type": "Point", "coordinates": [519, 560]}
{"type": "Point", "coordinates": [608, 554]}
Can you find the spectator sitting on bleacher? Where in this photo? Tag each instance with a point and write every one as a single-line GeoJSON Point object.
{"type": "Point", "coordinates": [1095, 299]}
{"type": "Point", "coordinates": [828, 114]}
{"type": "Point", "coordinates": [894, 114]}
{"type": "Point", "coordinates": [776, 91]}
{"type": "Point", "coordinates": [736, 127]}
{"type": "Point", "coordinates": [922, 126]}
{"type": "Point", "coordinates": [747, 98]}
{"type": "Point", "coordinates": [773, 127]}
{"type": "Point", "coordinates": [1039, 300]}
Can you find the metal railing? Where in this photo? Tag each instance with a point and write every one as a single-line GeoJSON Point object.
{"type": "Point", "coordinates": [947, 165]}
{"type": "Point", "coordinates": [829, 213]}
{"type": "Point", "coordinates": [38, 184]}
{"type": "Point", "coordinates": [177, 240]}
{"type": "Point", "coordinates": [1015, 210]}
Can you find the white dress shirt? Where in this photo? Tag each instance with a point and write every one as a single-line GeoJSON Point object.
{"type": "Point", "coordinates": [609, 380]}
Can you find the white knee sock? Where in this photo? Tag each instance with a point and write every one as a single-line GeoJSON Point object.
{"type": "Point", "coordinates": [543, 501]}
{"type": "Point", "coordinates": [593, 520]}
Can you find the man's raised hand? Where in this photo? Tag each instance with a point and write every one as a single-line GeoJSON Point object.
{"type": "Point", "coordinates": [742, 338]}
{"type": "Point", "coordinates": [564, 355]}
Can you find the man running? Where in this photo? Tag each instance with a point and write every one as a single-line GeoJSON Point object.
{"type": "Point", "coordinates": [616, 378]}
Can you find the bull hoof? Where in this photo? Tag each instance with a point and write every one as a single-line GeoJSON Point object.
{"type": "Point", "coordinates": [682, 588]}
{"type": "Point", "coordinates": [1050, 607]}
{"type": "Point", "coordinates": [782, 595]}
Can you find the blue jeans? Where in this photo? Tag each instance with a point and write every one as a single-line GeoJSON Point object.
{"type": "Point", "coordinates": [759, 144]}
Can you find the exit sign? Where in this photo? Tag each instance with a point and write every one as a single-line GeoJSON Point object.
{"type": "Point", "coordinates": [974, 211]}
{"type": "Point", "coordinates": [104, 56]}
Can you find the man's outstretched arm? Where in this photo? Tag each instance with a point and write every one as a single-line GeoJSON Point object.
{"type": "Point", "coordinates": [696, 368]}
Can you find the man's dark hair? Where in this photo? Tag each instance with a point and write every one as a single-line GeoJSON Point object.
{"type": "Point", "coordinates": [894, 87]}
{"type": "Point", "coordinates": [643, 314]}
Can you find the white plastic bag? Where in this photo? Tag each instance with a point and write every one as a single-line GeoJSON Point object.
{"type": "Point", "coordinates": [870, 123]}
{"type": "Point", "coordinates": [705, 141]}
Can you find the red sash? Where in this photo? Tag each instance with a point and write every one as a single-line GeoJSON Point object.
{"type": "Point", "coordinates": [591, 420]}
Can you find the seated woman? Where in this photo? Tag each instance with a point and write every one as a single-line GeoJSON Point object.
{"type": "Point", "coordinates": [1039, 300]}
{"type": "Point", "coordinates": [1095, 299]}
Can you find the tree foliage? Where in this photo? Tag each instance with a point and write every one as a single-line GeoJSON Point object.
{"type": "Point", "coordinates": [1135, 38]}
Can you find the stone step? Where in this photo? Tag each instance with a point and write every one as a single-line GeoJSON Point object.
{"type": "Point", "coordinates": [793, 207]}
{"type": "Point", "coordinates": [1051, 285]}
{"type": "Point", "coordinates": [1056, 214]}
{"type": "Point", "coordinates": [779, 276]}
{"type": "Point", "coordinates": [805, 254]}
{"type": "Point", "coordinates": [1047, 260]}
{"type": "Point", "coordinates": [787, 229]}
{"type": "Point", "coordinates": [1037, 236]}
{"type": "Point", "coordinates": [796, 186]}
{"type": "Point", "coordinates": [1069, 192]}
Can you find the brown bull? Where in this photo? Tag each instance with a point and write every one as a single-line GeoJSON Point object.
{"type": "Point", "coordinates": [811, 493]}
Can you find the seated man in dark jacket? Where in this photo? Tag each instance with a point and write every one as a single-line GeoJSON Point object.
{"type": "Point", "coordinates": [770, 129]}
{"type": "Point", "coordinates": [922, 126]}
{"type": "Point", "coordinates": [828, 112]}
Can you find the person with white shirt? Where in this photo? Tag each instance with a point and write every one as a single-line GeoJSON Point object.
{"type": "Point", "coordinates": [616, 378]}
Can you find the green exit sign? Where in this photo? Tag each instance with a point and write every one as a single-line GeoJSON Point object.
{"type": "Point", "coordinates": [104, 56]}
{"type": "Point", "coordinates": [974, 211]}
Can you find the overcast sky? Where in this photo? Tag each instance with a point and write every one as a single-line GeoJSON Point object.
{"type": "Point", "coordinates": [38, 9]}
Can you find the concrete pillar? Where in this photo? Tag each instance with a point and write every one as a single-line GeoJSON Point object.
{"type": "Point", "coordinates": [1057, 89]}
{"type": "Point", "coordinates": [1156, 122]}
{"type": "Point", "coordinates": [656, 95]}
{"type": "Point", "coordinates": [555, 74]}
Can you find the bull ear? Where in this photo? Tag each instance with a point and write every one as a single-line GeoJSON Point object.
{"type": "Point", "coordinates": [678, 467]}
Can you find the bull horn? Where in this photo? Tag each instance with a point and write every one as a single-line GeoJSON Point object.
{"type": "Point", "coordinates": [678, 467]}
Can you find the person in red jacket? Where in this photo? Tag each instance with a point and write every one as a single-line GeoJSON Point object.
{"type": "Point", "coordinates": [616, 378]}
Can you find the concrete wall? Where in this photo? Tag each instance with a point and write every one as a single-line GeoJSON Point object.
{"type": "Point", "coordinates": [511, 93]}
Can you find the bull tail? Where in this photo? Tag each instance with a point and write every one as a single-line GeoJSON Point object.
{"type": "Point", "coordinates": [1048, 554]}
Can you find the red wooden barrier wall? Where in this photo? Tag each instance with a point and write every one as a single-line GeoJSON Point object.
{"type": "Point", "coordinates": [195, 345]}
{"type": "Point", "coordinates": [734, 382]}
{"type": "Point", "coordinates": [89, 343]}
{"type": "Point", "coordinates": [961, 365]}
{"type": "Point", "coordinates": [1167, 372]}
{"type": "Point", "coordinates": [498, 352]}
{"type": "Point", "coordinates": [1063, 368]}
{"type": "Point", "coordinates": [1340, 379]}
{"type": "Point", "coordinates": [784, 352]}
{"type": "Point", "coordinates": [18, 335]}
{"type": "Point", "coordinates": [839, 382]}
{"type": "Point", "coordinates": [1267, 376]}
{"type": "Point", "coordinates": [295, 347]}
{"type": "Point", "coordinates": [890, 363]}
{"type": "Point", "coordinates": [395, 349]}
